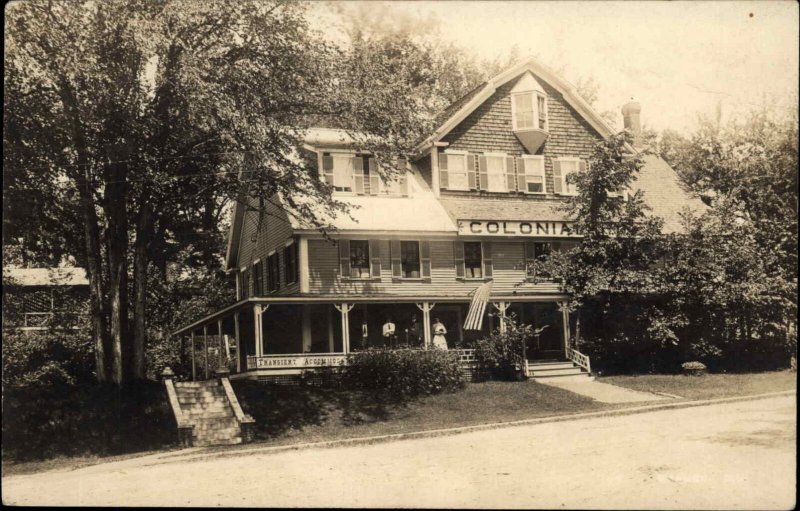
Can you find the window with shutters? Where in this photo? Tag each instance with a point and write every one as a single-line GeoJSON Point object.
{"type": "Point", "coordinates": [258, 278]}
{"type": "Point", "coordinates": [496, 172]}
{"type": "Point", "coordinates": [359, 259]}
{"type": "Point", "coordinates": [457, 170]}
{"type": "Point", "coordinates": [398, 186]}
{"type": "Point", "coordinates": [290, 261]}
{"type": "Point", "coordinates": [567, 166]}
{"type": "Point", "coordinates": [473, 260]}
{"type": "Point", "coordinates": [273, 272]}
{"type": "Point", "coordinates": [245, 282]}
{"type": "Point", "coordinates": [410, 259]}
{"type": "Point", "coordinates": [342, 173]}
{"type": "Point", "coordinates": [533, 171]}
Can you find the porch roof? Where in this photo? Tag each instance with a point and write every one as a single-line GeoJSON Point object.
{"type": "Point", "coordinates": [332, 299]}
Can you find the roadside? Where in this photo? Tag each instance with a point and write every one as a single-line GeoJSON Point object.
{"type": "Point", "coordinates": [292, 416]}
{"type": "Point", "coordinates": [734, 455]}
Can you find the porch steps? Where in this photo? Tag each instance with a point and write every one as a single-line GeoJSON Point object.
{"type": "Point", "coordinates": [539, 370]}
{"type": "Point", "coordinates": [206, 406]}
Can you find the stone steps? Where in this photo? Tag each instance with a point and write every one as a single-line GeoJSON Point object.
{"type": "Point", "coordinates": [206, 406]}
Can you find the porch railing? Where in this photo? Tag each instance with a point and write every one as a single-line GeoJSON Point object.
{"type": "Point", "coordinates": [319, 360]}
{"type": "Point", "coordinates": [580, 359]}
{"type": "Point", "coordinates": [465, 356]}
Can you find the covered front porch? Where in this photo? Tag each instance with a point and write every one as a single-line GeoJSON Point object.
{"type": "Point", "coordinates": [284, 336]}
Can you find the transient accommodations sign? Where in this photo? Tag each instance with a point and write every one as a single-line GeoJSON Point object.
{"type": "Point", "coordinates": [516, 228]}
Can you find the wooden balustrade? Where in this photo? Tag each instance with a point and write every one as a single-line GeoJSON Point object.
{"type": "Point", "coordinates": [580, 359]}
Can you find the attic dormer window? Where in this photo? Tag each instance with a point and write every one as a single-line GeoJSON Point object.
{"type": "Point", "coordinates": [529, 110]}
{"type": "Point", "coordinates": [529, 119]}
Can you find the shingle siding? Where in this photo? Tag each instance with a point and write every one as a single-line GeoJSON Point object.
{"type": "Point", "coordinates": [489, 129]}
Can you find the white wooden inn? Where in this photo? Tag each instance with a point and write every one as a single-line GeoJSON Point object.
{"type": "Point", "coordinates": [478, 202]}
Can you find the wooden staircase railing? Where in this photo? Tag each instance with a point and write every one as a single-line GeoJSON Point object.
{"type": "Point", "coordinates": [580, 359]}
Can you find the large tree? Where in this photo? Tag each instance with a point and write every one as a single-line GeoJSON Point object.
{"type": "Point", "coordinates": [130, 123]}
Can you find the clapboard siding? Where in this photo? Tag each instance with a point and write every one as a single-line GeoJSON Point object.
{"type": "Point", "coordinates": [509, 273]}
{"type": "Point", "coordinates": [272, 234]}
{"type": "Point", "coordinates": [489, 129]}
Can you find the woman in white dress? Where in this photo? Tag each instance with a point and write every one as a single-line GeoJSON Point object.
{"type": "Point", "coordinates": [439, 331]}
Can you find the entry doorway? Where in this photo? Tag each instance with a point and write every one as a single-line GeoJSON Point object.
{"type": "Point", "coordinates": [545, 318]}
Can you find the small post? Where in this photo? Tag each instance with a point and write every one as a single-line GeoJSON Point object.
{"type": "Point", "coordinates": [221, 373]}
{"type": "Point", "coordinates": [167, 374]}
{"type": "Point", "coordinates": [205, 348]}
{"type": "Point", "coordinates": [194, 366]}
{"type": "Point", "coordinates": [236, 333]}
{"type": "Point", "coordinates": [219, 331]}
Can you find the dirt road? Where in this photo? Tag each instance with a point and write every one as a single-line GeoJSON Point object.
{"type": "Point", "coordinates": [732, 456]}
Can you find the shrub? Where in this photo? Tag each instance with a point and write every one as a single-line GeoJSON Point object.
{"type": "Point", "coordinates": [85, 419]}
{"type": "Point", "coordinates": [404, 373]}
{"type": "Point", "coordinates": [694, 368]}
{"type": "Point", "coordinates": [502, 355]}
{"type": "Point", "coordinates": [46, 359]}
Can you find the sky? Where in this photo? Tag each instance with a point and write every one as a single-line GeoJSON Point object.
{"type": "Point", "coordinates": [677, 59]}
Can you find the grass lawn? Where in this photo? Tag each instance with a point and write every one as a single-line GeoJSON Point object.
{"type": "Point", "coordinates": [708, 386]}
{"type": "Point", "coordinates": [290, 415]}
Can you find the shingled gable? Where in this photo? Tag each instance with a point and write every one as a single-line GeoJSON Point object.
{"type": "Point", "coordinates": [458, 111]}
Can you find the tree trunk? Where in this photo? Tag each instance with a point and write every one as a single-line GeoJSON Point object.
{"type": "Point", "coordinates": [116, 212]}
{"type": "Point", "coordinates": [140, 260]}
{"type": "Point", "coordinates": [91, 227]}
{"type": "Point", "coordinates": [94, 272]}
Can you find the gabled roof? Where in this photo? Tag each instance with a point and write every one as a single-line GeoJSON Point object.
{"type": "Point", "coordinates": [665, 194]}
{"type": "Point", "coordinates": [459, 110]}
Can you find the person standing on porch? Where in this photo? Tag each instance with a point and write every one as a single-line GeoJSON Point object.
{"type": "Point", "coordinates": [439, 331]}
{"type": "Point", "coordinates": [364, 334]}
{"type": "Point", "coordinates": [413, 332]}
{"type": "Point", "coordinates": [389, 332]}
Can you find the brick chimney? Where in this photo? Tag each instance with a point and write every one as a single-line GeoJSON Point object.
{"type": "Point", "coordinates": [630, 116]}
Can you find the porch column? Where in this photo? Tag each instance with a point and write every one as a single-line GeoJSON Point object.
{"type": "Point", "coordinates": [426, 308]}
{"type": "Point", "coordinates": [302, 263]}
{"type": "Point", "coordinates": [258, 338]}
{"type": "Point", "coordinates": [345, 308]}
{"type": "Point", "coordinates": [501, 309]}
{"type": "Point", "coordinates": [194, 370]}
{"type": "Point", "coordinates": [564, 308]}
{"type": "Point", "coordinates": [330, 330]}
{"type": "Point", "coordinates": [205, 347]}
{"type": "Point", "coordinates": [306, 328]}
{"type": "Point", "coordinates": [238, 338]}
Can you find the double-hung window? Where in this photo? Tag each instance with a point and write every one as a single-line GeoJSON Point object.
{"type": "Point", "coordinates": [533, 171]}
{"type": "Point", "coordinates": [457, 170]}
{"type": "Point", "coordinates": [496, 172]}
{"type": "Point", "coordinates": [473, 260]}
{"type": "Point", "coordinates": [343, 172]}
{"type": "Point", "coordinates": [563, 168]}
{"type": "Point", "coordinates": [258, 278]}
{"type": "Point", "coordinates": [337, 170]}
{"type": "Point", "coordinates": [359, 259]}
{"type": "Point", "coordinates": [290, 261]}
{"type": "Point", "coordinates": [529, 110]}
{"type": "Point", "coordinates": [273, 272]}
{"type": "Point", "coordinates": [410, 259]}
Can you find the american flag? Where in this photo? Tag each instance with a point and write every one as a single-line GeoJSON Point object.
{"type": "Point", "coordinates": [480, 297]}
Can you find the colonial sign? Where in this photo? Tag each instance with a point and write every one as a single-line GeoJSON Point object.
{"type": "Point", "coordinates": [516, 228]}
